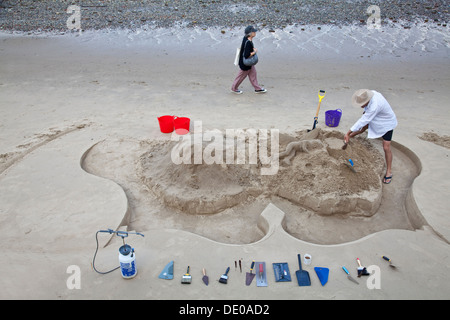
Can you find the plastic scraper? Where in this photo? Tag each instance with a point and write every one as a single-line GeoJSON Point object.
{"type": "Point", "coordinates": [322, 274]}
{"type": "Point", "coordinates": [261, 275]}
{"type": "Point", "coordinates": [167, 272]}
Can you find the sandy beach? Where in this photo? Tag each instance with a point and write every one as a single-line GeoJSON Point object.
{"type": "Point", "coordinates": [81, 151]}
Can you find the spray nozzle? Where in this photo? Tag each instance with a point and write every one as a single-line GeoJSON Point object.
{"type": "Point", "coordinates": [122, 234]}
{"type": "Point", "coordinates": [125, 234]}
{"type": "Point", "coordinates": [106, 231]}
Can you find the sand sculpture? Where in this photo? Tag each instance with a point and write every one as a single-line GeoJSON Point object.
{"type": "Point", "coordinates": [313, 174]}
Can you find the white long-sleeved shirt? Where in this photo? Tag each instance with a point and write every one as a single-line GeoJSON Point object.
{"type": "Point", "coordinates": [378, 115]}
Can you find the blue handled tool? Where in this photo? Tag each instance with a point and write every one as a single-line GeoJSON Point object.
{"type": "Point", "coordinates": [350, 165]}
{"type": "Point", "coordinates": [303, 278]}
{"type": "Point", "coordinates": [390, 262]}
{"type": "Point", "coordinates": [349, 276]}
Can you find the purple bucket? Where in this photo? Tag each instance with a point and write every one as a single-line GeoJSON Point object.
{"type": "Point", "coordinates": [332, 117]}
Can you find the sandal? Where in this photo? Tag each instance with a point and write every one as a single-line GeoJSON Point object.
{"type": "Point", "coordinates": [387, 178]}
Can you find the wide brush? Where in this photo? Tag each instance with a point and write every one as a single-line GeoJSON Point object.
{"type": "Point", "coordinates": [187, 278]}
{"type": "Point", "coordinates": [224, 278]}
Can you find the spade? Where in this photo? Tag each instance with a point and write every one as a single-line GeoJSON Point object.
{"type": "Point", "coordinates": [302, 275]}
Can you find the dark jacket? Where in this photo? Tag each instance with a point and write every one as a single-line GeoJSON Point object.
{"type": "Point", "coordinates": [246, 49]}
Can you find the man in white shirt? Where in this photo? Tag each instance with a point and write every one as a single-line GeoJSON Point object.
{"type": "Point", "coordinates": [379, 118]}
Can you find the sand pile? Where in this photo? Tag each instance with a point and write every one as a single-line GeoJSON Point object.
{"type": "Point", "coordinates": [312, 174]}
{"type": "Point", "coordinates": [443, 141]}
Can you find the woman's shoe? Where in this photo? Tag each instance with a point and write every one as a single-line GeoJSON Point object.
{"type": "Point", "coordinates": [261, 91]}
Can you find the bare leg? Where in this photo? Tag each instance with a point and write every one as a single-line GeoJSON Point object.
{"type": "Point", "coordinates": [388, 155]}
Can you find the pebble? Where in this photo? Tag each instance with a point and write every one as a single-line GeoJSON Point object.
{"type": "Point", "coordinates": [51, 15]}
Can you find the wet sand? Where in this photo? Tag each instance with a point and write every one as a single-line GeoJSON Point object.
{"type": "Point", "coordinates": [61, 96]}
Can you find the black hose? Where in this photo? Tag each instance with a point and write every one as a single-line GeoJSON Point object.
{"type": "Point", "coordinates": [93, 260]}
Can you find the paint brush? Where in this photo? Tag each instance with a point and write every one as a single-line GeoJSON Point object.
{"type": "Point", "coordinates": [187, 278]}
{"type": "Point", "coordinates": [224, 278]}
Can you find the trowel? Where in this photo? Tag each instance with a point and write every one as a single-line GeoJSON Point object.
{"type": "Point", "coordinates": [350, 161]}
{"type": "Point", "coordinates": [250, 275]}
{"type": "Point", "coordinates": [205, 277]}
{"type": "Point", "coordinates": [167, 272]}
{"type": "Point", "coordinates": [349, 276]}
{"type": "Point", "coordinates": [350, 165]}
{"type": "Point", "coordinates": [261, 275]}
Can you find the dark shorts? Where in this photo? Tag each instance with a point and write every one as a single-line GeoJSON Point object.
{"type": "Point", "coordinates": [388, 135]}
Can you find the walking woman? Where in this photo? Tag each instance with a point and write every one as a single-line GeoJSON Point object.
{"type": "Point", "coordinates": [247, 50]}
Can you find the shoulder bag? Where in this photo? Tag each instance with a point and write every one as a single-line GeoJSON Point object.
{"type": "Point", "coordinates": [250, 61]}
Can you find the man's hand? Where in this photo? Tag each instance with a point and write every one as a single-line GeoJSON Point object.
{"type": "Point", "coordinates": [347, 137]}
{"type": "Point", "coordinates": [351, 134]}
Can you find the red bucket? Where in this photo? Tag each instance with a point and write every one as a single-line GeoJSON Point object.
{"type": "Point", "coordinates": [166, 124]}
{"type": "Point", "coordinates": [181, 125]}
